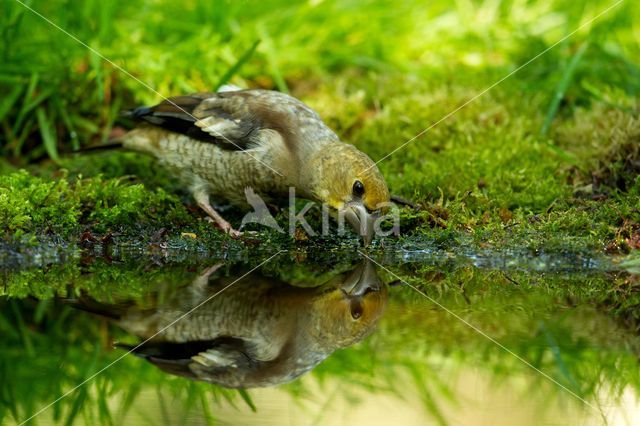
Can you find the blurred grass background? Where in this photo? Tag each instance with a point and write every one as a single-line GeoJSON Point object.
{"type": "Point", "coordinates": [59, 95]}
{"type": "Point", "coordinates": [378, 73]}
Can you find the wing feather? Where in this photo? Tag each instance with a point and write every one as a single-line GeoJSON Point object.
{"type": "Point", "coordinates": [233, 119]}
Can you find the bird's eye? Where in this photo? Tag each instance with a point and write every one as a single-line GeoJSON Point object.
{"type": "Point", "coordinates": [358, 188]}
{"type": "Point", "coordinates": [356, 309]}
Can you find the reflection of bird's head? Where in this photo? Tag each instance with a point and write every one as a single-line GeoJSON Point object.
{"type": "Point", "coordinates": [349, 307]}
{"type": "Point", "coordinates": [349, 182]}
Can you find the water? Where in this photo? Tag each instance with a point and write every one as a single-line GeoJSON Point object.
{"type": "Point", "coordinates": [409, 336]}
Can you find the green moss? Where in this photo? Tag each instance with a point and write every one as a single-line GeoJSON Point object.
{"type": "Point", "coordinates": [31, 205]}
{"type": "Point", "coordinates": [546, 158]}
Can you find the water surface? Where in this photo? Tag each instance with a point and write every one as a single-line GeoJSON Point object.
{"type": "Point", "coordinates": [414, 336]}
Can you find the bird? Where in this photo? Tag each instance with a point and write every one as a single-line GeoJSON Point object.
{"type": "Point", "coordinates": [219, 144]}
{"type": "Point", "coordinates": [260, 331]}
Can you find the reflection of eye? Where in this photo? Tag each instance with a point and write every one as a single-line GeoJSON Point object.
{"type": "Point", "coordinates": [356, 309]}
{"type": "Point", "coordinates": [367, 291]}
{"type": "Point", "coordinates": [358, 188]}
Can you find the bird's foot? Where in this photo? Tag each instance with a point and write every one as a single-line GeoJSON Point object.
{"type": "Point", "coordinates": [225, 227]}
{"type": "Point", "coordinates": [202, 280]}
{"type": "Point", "coordinates": [202, 198]}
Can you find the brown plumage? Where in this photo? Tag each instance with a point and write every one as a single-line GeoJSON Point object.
{"type": "Point", "coordinates": [258, 332]}
{"type": "Point", "coordinates": [221, 143]}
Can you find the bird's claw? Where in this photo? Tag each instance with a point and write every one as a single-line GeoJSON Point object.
{"type": "Point", "coordinates": [234, 233]}
{"type": "Point", "coordinates": [225, 227]}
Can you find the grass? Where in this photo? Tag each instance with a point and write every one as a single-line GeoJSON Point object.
{"type": "Point", "coordinates": [546, 156]}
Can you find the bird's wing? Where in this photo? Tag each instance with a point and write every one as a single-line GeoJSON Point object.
{"type": "Point", "coordinates": [176, 358]}
{"type": "Point", "coordinates": [235, 119]}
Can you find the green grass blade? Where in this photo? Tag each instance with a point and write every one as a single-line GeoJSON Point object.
{"type": "Point", "coordinates": [271, 54]}
{"type": "Point", "coordinates": [33, 83]}
{"type": "Point", "coordinates": [247, 398]}
{"type": "Point", "coordinates": [206, 409]}
{"type": "Point", "coordinates": [61, 110]}
{"type": "Point", "coordinates": [24, 331]}
{"type": "Point", "coordinates": [129, 397]}
{"type": "Point", "coordinates": [80, 398]}
{"type": "Point", "coordinates": [96, 66]}
{"type": "Point", "coordinates": [9, 100]}
{"type": "Point", "coordinates": [104, 412]}
{"type": "Point", "coordinates": [561, 88]}
{"type": "Point", "coordinates": [41, 309]}
{"type": "Point", "coordinates": [562, 367]}
{"type": "Point", "coordinates": [48, 133]}
{"type": "Point", "coordinates": [236, 67]}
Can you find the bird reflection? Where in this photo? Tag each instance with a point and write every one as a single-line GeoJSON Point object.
{"type": "Point", "coordinates": [260, 331]}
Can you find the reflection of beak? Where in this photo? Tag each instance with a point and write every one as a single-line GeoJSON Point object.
{"type": "Point", "coordinates": [360, 220]}
{"type": "Point", "coordinates": [362, 280]}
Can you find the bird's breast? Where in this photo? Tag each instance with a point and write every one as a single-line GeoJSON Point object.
{"type": "Point", "coordinates": [225, 173]}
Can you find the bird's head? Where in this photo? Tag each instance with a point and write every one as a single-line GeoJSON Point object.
{"type": "Point", "coordinates": [348, 307]}
{"type": "Point", "coordinates": [349, 182]}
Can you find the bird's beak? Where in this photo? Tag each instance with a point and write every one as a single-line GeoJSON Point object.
{"type": "Point", "coordinates": [360, 220]}
{"type": "Point", "coordinates": [362, 280]}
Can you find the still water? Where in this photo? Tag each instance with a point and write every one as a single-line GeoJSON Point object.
{"type": "Point", "coordinates": [404, 336]}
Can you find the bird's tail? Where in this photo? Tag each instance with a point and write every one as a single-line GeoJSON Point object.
{"type": "Point", "coordinates": [116, 139]}
{"type": "Point", "coordinates": [112, 144]}
{"type": "Point", "coordinates": [113, 311]}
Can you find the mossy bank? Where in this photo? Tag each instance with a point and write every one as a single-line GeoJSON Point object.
{"type": "Point", "coordinates": [547, 159]}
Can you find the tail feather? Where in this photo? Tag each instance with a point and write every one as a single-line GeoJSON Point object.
{"type": "Point", "coordinates": [136, 113]}
{"type": "Point", "coordinates": [113, 311]}
{"type": "Point", "coordinates": [117, 133]}
{"type": "Point", "coordinates": [113, 144]}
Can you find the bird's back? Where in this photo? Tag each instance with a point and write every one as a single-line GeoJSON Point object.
{"type": "Point", "coordinates": [225, 142]}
